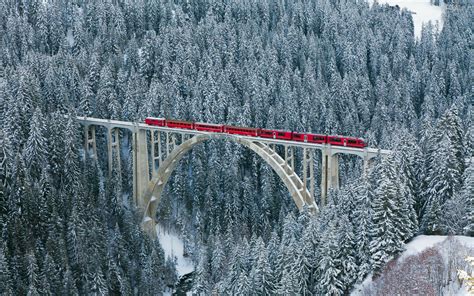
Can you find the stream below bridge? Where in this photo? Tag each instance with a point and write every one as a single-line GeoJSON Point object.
{"type": "Point", "coordinates": [173, 246]}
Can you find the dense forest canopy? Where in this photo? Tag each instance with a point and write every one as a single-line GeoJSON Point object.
{"type": "Point", "coordinates": [335, 67]}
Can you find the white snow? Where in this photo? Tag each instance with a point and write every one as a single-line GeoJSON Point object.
{"type": "Point", "coordinates": [173, 247]}
{"type": "Point", "coordinates": [423, 12]}
{"type": "Point", "coordinates": [421, 243]}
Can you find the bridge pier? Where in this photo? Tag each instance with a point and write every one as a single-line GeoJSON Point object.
{"type": "Point", "coordinates": [113, 149]}
{"type": "Point", "coordinates": [140, 168]}
{"type": "Point", "coordinates": [308, 174]}
{"type": "Point", "coordinates": [156, 157]}
{"type": "Point", "coordinates": [333, 170]}
{"type": "Point", "coordinates": [90, 142]}
{"type": "Point", "coordinates": [329, 173]}
{"type": "Point", "coordinates": [289, 160]}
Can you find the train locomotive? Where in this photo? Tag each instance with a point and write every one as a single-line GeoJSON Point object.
{"type": "Point", "coordinates": [258, 132]}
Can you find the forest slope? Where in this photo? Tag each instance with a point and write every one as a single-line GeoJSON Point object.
{"type": "Point", "coordinates": [429, 265]}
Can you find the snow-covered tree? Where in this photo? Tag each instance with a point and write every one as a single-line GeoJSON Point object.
{"type": "Point", "coordinates": [387, 238]}
{"type": "Point", "coordinates": [36, 149]}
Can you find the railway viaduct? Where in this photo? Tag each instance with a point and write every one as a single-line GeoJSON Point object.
{"type": "Point", "coordinates": [152, 169]}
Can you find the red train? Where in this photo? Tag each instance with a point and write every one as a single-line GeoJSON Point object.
{"type": "Point", "coordinates": [258, 132]}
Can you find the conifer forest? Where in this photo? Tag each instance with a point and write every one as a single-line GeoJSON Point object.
{"type": "Point", "coordinates": [333, 67]}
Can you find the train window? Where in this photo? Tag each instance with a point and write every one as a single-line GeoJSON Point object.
{"type": "Point", "coordinates": [352, 141]}
{"type": "Point", "coordinates": [281, 134]}
{"type": "Point", "coordinates": [335, 139]}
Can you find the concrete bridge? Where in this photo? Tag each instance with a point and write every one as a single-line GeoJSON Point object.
{"type": "Point", "coordinates": [152, 169]}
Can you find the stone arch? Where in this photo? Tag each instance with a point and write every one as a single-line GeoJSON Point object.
{"type": "Point", "coordinates": [152, 196]}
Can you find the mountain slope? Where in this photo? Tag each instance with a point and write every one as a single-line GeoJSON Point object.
{"type": "Point", "coordinates": [428, 266]}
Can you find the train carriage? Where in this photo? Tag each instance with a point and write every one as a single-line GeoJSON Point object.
{"type": "Point", "coordinates": [155, 121]}
{"type": "Point", "coordinates": [346, 141]}
{"type": "Point", "coordinates": [209, 127]}
{"type": "Point", "coordinates": [309, 138]}
{"type": "Point", "coordinates": [355, 142]}
{"type": "Point", "coordinates": [276, 134]}
{"type": "Point", "coordinates": [180, 124]}
{"type": "Point", "coordinates": [243, 131]}
{"type": "Point", "coordinates": [318, 139]}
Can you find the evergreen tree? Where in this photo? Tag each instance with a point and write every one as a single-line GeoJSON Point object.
{"type": "Point", "coordinates": [261, 273]}
{"type": "Point", "coordinates": [443, 181]}
{"type": "Point", "coordinates": [347, 245]}
{"type": "Point", "coordinates": [468, 199]}
{"type": "Point", "coordinates": [330, 268]}
{"type": "Point", "coordinates": [218, 261]}
{"type": "Point", "coordinates": [5, 275]}
{"type": "Point", "coordinates": [386, 235]}
{"type": "Point", "coordinates": [32, 275]}
{"type": "Point", "coordinates": [202, 280]}
{"type": "Point", "coordinates": [363, 220]}
{"type": "Point", "coordinates": [35, 152]}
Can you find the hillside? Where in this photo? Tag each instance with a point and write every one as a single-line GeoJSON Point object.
{"type": "Point", "coordinates": [428, 266]}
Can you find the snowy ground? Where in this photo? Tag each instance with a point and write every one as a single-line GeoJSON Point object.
{"type": "Point", "coordinates": [423, 12]}
{"type": "Point", "coordinates": [173, 246]}
{"type": "Point", "coordinates": [452, 249]}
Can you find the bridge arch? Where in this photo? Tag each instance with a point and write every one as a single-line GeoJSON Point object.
{"type": "Point", "coordinates": [152, 196]}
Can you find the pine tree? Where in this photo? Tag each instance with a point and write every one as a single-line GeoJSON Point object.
{"type": "Point", "coordinates": [106, 93]}
{"type": "Point", "coordinates": [32, 275]}
{"type": "Point", "coordinates": [468, 199]}
{"type": "Point", "coordinates": [5, 275]}
{"type": "Point", "coordinates": [35, 152]}
{"type": "Point", "coordinates": [147, 56]}
{"type": "Point", "coordinates": [288, 283]}
{"type": "Point", "coordinates": [69, 285]}
{"type": "Point", "coordinates": [363, 220]}
{"type": "Point", "coordinates": [98, 285]}
{"type": "Point", "coordinates": [50, 276]}
{"type": "Point", "coordinates": [407, 161]}
{"type": "Point", "coordinates": [218, 261]}
{"type": "Point", "coordinates": [201, 282]}
{"type": "Point", "coordinates": [442, 182]}
{"type": "Point", "coordinates": [347, 245]}
{"type": "Point", "coordinates": [329, 267]}
{"type": "Point", "coordinates": [386, 236]}
{"type": "Point", "coordinates": [71, 161]}
{"type": "Point", "coordinates": [261, 274]}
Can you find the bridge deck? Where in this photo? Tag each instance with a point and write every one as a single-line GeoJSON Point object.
{"type": "Point", "coordinates": [135, 126]}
